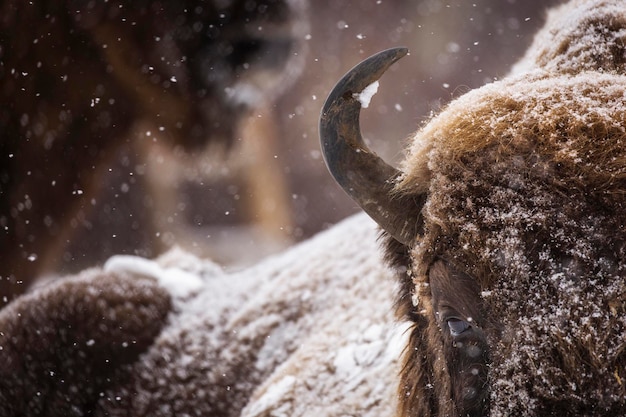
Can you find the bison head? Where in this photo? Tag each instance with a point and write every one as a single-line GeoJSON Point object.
{"type": "Point", "coordinates": [197, 66]}
{"type": "Point", "coordinates": [508, 216]}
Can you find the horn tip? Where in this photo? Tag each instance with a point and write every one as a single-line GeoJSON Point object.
{"type": "Point", "coordinates": [364, 74]}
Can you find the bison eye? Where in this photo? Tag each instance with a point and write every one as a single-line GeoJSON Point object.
{"type": "Point", "coordinates": [457, 326]}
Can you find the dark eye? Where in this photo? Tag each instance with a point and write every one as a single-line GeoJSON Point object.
{"type": "Point", "coordinates": [457, 326]}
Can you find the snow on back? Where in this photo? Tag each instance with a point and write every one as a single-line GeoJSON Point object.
{"type": "Point", "coordinates": [273, 401]}
{"type": "Point", "coordinates": [349, 357]}
{"type": "Point", "coordinates": [580, 35]}
{"type": "Point", "coordinates": [281, 337]}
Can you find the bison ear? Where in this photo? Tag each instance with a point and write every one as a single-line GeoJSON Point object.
{"type": "Point", "coordinates": [367, 179]}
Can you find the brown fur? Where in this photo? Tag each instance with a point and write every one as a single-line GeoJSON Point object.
{"type": "Point", "coordinates": [74, 83]}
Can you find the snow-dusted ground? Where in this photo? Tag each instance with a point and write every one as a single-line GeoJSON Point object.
{"type": "Point", "coordinates": [315, 323]}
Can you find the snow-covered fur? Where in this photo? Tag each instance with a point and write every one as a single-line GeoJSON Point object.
{"type": "Point", "coordinates": [309, 332]}
{"type": "Point", "coordinates": [526, 186]}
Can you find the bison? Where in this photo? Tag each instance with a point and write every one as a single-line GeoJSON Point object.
{"type": "Point", "coordinates": [508, 216]}
{"type": "Point", "coordinates": [504, 226]}
{"type": "Point", "coordinates": [74, 86]}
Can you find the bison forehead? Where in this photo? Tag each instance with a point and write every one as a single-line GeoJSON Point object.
{"type": "Point", "coordinates": [561, 341]}
{"type": "Point", "coordinates": [571, 119]}
{"type": "Point", "coordinates": [561, 352]}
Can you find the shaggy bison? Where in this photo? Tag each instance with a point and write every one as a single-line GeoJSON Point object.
{"type": "Point", "coordinates": [74, 78]}
{"type": "Point", "coordinates": [504, 224]}
{"type": "Point", "coordinates": [508, 214]}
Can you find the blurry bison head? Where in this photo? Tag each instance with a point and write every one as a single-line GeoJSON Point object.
{"type": "Point", "coordinates": [75, 75]}
{"type": "Point", "coordinates": [190, 66]}
{"type": "Point", "coordinates": [508, 215]}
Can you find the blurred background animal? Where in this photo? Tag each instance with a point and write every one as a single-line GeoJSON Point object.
{"type": "Point", "coordinates": [94, 82]}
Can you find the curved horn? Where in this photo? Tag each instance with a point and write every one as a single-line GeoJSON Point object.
{"type": "Point", "coordinates": [361, 173]}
